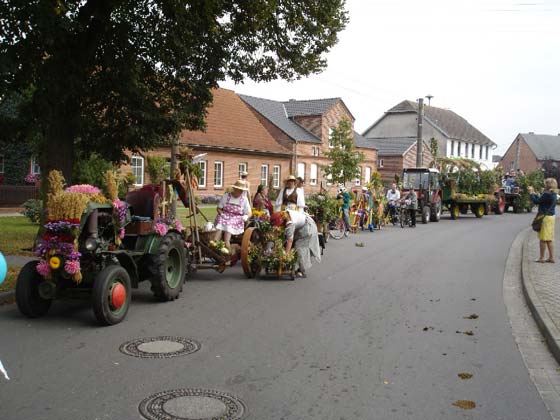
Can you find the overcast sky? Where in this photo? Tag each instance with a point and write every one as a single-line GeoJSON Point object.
{"type": "Point", "coordinates": [494, 62]}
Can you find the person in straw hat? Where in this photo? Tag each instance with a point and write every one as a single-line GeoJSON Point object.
{"type": "Point", "coordinates": [233, 210]}
{"type": "Point", "coordinates": [290, 197]}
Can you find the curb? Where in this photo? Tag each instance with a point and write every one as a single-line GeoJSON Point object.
{"type": "Point", "coordinates": [543, 320]}
{"type": "Point", "coordinates": [7, 297]}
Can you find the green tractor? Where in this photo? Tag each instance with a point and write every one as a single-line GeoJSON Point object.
{"type": "Point", "coordinates": [100, 252]}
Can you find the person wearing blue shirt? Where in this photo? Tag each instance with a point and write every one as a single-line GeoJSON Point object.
{"type": "Point", "coordinates": [547, 207]}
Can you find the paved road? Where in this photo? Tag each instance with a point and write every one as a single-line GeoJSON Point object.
{"type": "Point", "coordinates": [371, 334]}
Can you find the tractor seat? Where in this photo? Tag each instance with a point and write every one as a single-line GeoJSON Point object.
{"type": "Point", "coordinates": [145, 201]}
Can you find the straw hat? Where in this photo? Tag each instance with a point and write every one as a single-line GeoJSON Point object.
{"type": "Point", "coordinates": [240, 185]}
{"type": "Point", "coordinates": [290, 178]}
{"type": "Point", "coordinates": [244, 173]}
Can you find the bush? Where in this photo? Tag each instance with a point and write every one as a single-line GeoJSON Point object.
{"type": "Point", "coordinates": [91, 170]}
{"type": "Point", "coordinates": [210, 199]}
{"type": "Point", "coordinates": [322, 207]}
{"type": "Point", "coordinates": [158, 169]}
{"type": "Point", "coordinates": [33, 210]}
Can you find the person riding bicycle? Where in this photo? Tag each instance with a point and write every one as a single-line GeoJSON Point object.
{"type": "Point", "coordinates": [393, 197]}
{"type": "Point", "coordinates": [411, 201]}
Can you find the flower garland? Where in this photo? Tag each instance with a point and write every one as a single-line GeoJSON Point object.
{"type": "Point", "coordinates": [84, 189]}
{"type": "Point", "coordinates": [120, 215]}
{"type": "Point", "coordinates": [167, 223]}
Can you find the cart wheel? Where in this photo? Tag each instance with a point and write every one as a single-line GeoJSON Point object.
{"type": "Point", "coordinates": [454, 211]}
{"type": "Point", "coordinates": [251, 236]}
{"type": "Point", "coordinates": [293, 274]}
{"type": "Point", "coordinates": [478, 210]}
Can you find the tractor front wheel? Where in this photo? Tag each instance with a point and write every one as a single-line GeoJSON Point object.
{"type": "Point", "coordinates": [170, 268]}
{"type": "Point", "coordinates": [28, 300]}
{"type": "Point", "coordinates": [425, 214]}
{"type": "Point", "coordinates": [500, 206]}
{"type": "Point", "coordinates": [435, 215]}
{"type": "Point", "coordinates": [111, 295]}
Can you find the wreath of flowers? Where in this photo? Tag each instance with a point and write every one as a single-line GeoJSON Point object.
{"type": "Point", "coordinates": [59, 238]}
{"type": "Point", "coordinates": [120, 215]}
{"type": "Point", "coordinates": [167, 223]}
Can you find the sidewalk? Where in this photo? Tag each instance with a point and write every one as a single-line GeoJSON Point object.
{"type": "Point", "coordinates": [541, 286]}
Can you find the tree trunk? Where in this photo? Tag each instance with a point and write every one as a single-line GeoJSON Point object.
{"type": "Point", "coordinates": [57, 151]}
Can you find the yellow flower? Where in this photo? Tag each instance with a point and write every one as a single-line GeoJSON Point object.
{"type": "Point", "coordinates": [54, 262]}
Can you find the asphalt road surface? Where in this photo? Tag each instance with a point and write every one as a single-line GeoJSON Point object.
{"type": "Point", "coordinates": [374, 332]}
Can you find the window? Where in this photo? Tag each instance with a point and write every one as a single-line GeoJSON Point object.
{"type": "Point", "coordinates": [264, 174]}
{"type": "Point", "coordinates": [276, 176]}
{"type": "Point", "coordinates": [367, 176]}
{"type": "Point", "coordinates": [452, 147]}
{"type": "Point", "coordinates": [486, 152]}
{"type": "Point", "coordinates": [315, 150]}
{"type": "Point", "coordinates": [1, 164]}
{"type": "Point", "coordinates": [301, 170]}
{"type": "Point", "coordinates": [313, 174]}
{"type": "Point", "coordinates": [329, 180]}
{"type": "Point", "coordinates": [202, 177]}
{"type": "Point", "coordinates": [35, 168]}
{"type": "Point", "coordinates": [380, 163]}
{"type": "Point", "coordinates": [137, 165]}
{"type": "Point", "coordinates": [218, 174]}
{"type": "Point", "coordinates": [331, 144]}
{"type": "Point", "coordinates": [359, 177]}
{"type": "Point", "coordinates": [242, 168]}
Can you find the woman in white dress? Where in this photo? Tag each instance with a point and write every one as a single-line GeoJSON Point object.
{"type": "Point", "coordinates": [290, 197]}
{"type": "Point", "coordinates": [233, 210]}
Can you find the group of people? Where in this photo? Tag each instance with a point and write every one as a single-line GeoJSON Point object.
{"type": "Point", "coordinates": [234, 209]}
{"type": "Point", "coordinates": [394, 199]}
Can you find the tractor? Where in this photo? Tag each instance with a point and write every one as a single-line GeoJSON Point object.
{"type": "Point", "coordinates": [426, 183]}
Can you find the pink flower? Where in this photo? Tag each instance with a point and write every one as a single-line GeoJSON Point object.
{"type": "Point", "coordinates": [160, 229]}
{"type": "Point", "coordinates": [121, 233]}
{"type": "Point", "coordinates": [179, 226]}
{"type": "Point", "coordinates": [72, 267]}
{"type": "Point", "coordinates": [43, 268]}
{"type": "Point", "coordinates": [84, 189]}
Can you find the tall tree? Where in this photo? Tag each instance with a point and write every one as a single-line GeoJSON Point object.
{"type": "Point", "coordinates": [345, 159]}
{"type": "Point", "coordinates": [110, 75]}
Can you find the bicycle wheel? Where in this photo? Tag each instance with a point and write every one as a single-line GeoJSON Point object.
{"type": "Point", "coordinates": [337, 229]}
{"type": "Point", "coordinates": [402, 217]}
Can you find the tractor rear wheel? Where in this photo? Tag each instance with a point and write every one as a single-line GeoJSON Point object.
{"type": "Point", "coordinates": [425, 214]}
{"type": "Point", "coordinates": [111, 295]}
{"type": "Point", "coordinates": [28, 300]}
{"type": "Point", "coordinates": [170, 268]}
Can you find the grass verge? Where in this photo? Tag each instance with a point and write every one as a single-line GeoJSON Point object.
{"type": "Point", "coordinates": [16, 233]}
{"type": "Point", "coordinates": [10, 281]}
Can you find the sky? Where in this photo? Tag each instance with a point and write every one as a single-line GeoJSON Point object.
{"type": "Point", "coordinates": [496, 63]}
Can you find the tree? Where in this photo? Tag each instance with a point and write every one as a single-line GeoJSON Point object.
{"type": "Point", "coordinates": [345, 159]}
{"type": "Point", "coordinates": [111, 75]}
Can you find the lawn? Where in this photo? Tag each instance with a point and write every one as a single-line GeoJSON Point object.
{"type": "Point", "coordinates": [16, 233]}
{"type": "Point", "coordinates": [10, 282]}
{"type": "Point", "coordinates": [209, 212]}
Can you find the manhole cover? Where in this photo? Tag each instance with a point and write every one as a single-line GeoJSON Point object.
{"type": "Point", "coordinates": [192, 404]}
{"type": "Point", "coordinates": [160, 347]}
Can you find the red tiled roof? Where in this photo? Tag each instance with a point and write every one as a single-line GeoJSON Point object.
{"type": "Point", "coordinates": [231, 124]}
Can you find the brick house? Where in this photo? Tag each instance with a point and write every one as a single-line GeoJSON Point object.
{"type": "Point", "coordinates": [456, 137]}
{"type": "Point", "coordinates": [304, 128]}
{"type": "Point", "coordinates": [529, 151]}
{"type": "Point", "coordinates": [397, 154]}
{"type": "Point", "coordinates": [234, 141]}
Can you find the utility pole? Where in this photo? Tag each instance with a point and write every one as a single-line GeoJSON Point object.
{"type": "Point", "coordinates": [419, 142]}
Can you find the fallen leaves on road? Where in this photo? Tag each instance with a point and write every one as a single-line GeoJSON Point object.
{"type": "Point", "coordinates": [360, 244]}
{"type": "Point", "coordinates": [469, 332]}
{"type": "Point", "coordinates": [386, 382]}
{"type": "Point", "coordinates": [465, 404]}
{"type": "Point", "coordinates": [473, 299]}
{"type": "Point", "coordinates": [427, 328]}
{"type": "Point", "coordinates": [471, 316]}
{"type": "Point", "coordinates": [464, 375]}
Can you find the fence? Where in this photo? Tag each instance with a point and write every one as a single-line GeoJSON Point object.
{"type": "Point", "coordinates": [15, 195]}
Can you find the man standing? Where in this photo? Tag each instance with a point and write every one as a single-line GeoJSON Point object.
{"type": "Point", "coordinates": [393, 197]}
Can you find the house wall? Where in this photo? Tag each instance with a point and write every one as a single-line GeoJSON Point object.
{"type": "Point", "coordinates": [391, 165]}
{"type": "Point", "coordinates": [231, 161]}
{"type": "Point", "coordinates": [527, 160]}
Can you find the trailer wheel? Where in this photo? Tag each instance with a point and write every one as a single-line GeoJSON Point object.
{"type": "Point", "coordinates": [435, 215]}
{"type": "Point", "coordinates": [111, 295]}
{"type": "Point", "coordinates": [170, 268]}
{"type": "Point", "coordinates": [516, 206]}
{"type": "Point", "coordinates": [426, 214]}
{"type": "Point", "coordinates": [478, 210]}
{"type": "Point", "coordinates": [28, 300]}
{"type": "Point", "coordinates": [454, 211]}
{"type": "Point", "coordinates": [251, 268]}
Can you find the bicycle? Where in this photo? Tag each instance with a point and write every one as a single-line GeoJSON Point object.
{"type": "Point", "coordinates": [337, 227]}
{"type": "Point", "coordinates": [404, 215]}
